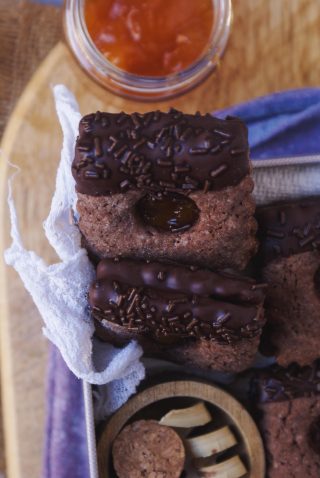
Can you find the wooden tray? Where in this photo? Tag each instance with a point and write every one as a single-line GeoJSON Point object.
{"type": "Point", "coordinates": [32, 141]}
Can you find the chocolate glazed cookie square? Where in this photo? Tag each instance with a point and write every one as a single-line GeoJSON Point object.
{"type": "Point", "coordinates": [165, 186]}
{"type": "Point", "coordinates": [289, 400]}
{"type": "Point", "coordinates": [164, 197]}
{"type": "Point", "coordinates": [290, 245]}
{"type": "Point", "coordinates": [191, 316]}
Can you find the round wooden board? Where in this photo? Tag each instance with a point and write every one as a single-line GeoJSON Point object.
{"type": "Point", "coordinates": [211, 394]}
{"type": "Point", "coordinates": [273, 46]}
{"type": "Point", "coordinates": [32, 141]}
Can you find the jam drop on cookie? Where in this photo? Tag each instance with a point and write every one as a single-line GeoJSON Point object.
{"type": "Point", "coordinates": [169, 213]}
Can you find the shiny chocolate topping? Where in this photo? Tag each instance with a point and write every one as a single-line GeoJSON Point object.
{"type": "Point", "coordinates": [169, 301]}
{"type": "Point", "coordinates": [156, 151]}
{"type": "Point", "coordinates": [289, 228]}
{"type": "Point", "coordinates": [279, 384]}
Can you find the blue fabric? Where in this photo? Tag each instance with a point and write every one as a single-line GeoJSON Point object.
{"type": "Point", "coordinates": [282, 124]}
{"type": "Point", "coordinates": [49, 2]}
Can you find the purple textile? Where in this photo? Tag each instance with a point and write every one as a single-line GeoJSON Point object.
{"type": "Point", "coordinates": [66, 453]}
{"type": "Point", "coordinates": [281, 124]}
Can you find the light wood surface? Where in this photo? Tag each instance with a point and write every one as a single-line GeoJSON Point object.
{"type": "Point", "coordinates": [22, 24]}
{"type": "Point", "coordinates": [236, 413]}
{"type": "Point", "coordinates": [273, 46]}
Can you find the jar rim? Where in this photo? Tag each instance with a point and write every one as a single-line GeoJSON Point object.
{"type": "Point", "coordinates": [91, 58]}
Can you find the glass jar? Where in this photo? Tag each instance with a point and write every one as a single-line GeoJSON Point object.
{"type": "Point", "coordinates": [144, 87]}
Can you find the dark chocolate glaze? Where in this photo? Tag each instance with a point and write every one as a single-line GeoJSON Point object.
{"type": "Point", "coordinates": [222, 285]}
{"type": "Point", "coordinates": [176, 302]}
{"type": "Point", "coordinates": [279, 384]}
{"type": "Point", "coordinates": [159, 152]}
{"type": "Point", "coordinates": [289, 228]}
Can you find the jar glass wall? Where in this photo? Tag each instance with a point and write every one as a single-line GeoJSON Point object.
{"type": "Point", "coordinates": [145, 87]}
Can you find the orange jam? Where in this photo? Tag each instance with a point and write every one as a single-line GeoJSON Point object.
{"type": "Point", "coordinates": [150, 37]}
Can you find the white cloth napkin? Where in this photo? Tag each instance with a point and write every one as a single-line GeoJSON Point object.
{"type": "Point", "coordinates": [60, 290]}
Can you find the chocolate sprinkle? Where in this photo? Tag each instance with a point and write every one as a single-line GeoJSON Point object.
{"type": "Point", "coordinates": [215, 173]}
{"type": "Point", "coordinates": [161, 275]}
{"type": "Point", "coordinates": [124, 184]}
{"type": "Point", "coordinates": [97, 147]}
{"type": "Point", "coordinates": [237, 152]}
{"type": "Point", "coordinates": [198, 150]}
{"type": "Point", "coordinates": [91, 174]}
{"type": "Point", "coordinates": [306, 241]}
{"type": "Point", "coordinates": [164, 163]}
{"type": "Point", "coordinates": [119, 152]}
{"type": "Point", "coordinates": [273, 233]}
{"type": "Point", "coordinates": [224, 134]}
{"type": "Point", "coordinates": [206, 186]}
{"type": "Point", "coordinates": [84, 147]}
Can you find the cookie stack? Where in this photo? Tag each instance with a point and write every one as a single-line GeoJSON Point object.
{"type": "Point", "coordinates": [165, 204]}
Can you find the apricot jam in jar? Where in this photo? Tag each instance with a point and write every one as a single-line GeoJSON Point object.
{"type": "Point", "coordinates": [148, 49]}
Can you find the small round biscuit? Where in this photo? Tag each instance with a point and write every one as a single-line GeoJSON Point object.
{"type": "Point", "coordinates": [146, 449]}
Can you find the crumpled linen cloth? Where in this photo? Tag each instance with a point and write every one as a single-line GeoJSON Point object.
{"type": "Point", "coordinates": [60, 290]}
{"type": "Point", "coordinates": [282, 124]}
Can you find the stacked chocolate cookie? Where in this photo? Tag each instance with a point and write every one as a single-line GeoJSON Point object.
{"type": "Point", "coordinates": [289, 236]}
{"type": "Point", "coordinates": [189, 315]}
{"type": "Point", "coordinates": [290, 403]}
{"type": "Point", "coordinates": [166, 186]}
{"type": "Point", "coordinates": [161, 195]}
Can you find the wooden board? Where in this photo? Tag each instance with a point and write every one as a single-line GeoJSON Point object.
{"type": "Point", "coordinates": [22, 24]}
{"type": "Point", "coordinates": [273, 46]}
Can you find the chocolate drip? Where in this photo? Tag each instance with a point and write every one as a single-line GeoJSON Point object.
{"type": "Point", "coordinates": [280, 384]}
{"type": "Point", "coordinates": [176, 302]}
{"type": "Point", "coordinates": [159, 152]}
{"type": "Point", "coordinates": [289, 228]}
